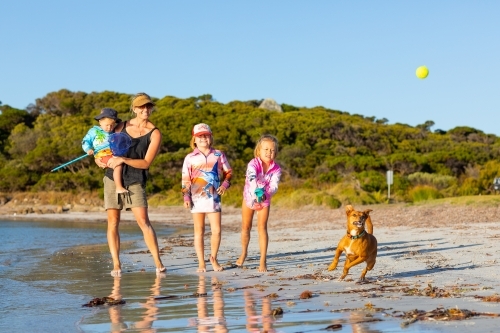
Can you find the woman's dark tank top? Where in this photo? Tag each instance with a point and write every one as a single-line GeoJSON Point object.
{"type": "Point", "coordinates": [137, 150]}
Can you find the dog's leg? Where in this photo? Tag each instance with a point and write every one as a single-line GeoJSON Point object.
{"type": "Point", "coordinates": [335, 261]}
{"type": "Point", "coordinates": [369, 266]}
{"type": "Point", "coordinates": [346, 269]}
{"type": "Point", "coordinates": [351, 263]}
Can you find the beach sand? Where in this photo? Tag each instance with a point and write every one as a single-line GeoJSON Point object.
{"type": "Point", "coordinates": [430, 259]}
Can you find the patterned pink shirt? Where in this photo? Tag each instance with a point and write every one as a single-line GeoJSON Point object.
{"type": "Point", "coordinates": [256, 178]}
{"type": "Point", "coordinates": [201, 177]}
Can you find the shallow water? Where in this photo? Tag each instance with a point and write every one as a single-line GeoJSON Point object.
{"type": "Point", "coordinates": [48, 270]}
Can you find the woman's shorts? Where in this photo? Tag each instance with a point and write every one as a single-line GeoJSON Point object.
{"type": "Point", "coordinates": [136, 196]}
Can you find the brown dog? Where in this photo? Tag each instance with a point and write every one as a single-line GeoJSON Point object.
{"type": "Point", "coordinates": [359, 244]}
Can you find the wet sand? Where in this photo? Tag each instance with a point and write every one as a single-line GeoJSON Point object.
{"type": "Point", "coordinates": [441, 260]}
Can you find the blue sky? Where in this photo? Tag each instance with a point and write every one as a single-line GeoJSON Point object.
{"type": "Point", "coordinates": [354, 56]}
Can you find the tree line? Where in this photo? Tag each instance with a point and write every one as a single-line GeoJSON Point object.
{"type": "Point", "coordinates": [342, 155]}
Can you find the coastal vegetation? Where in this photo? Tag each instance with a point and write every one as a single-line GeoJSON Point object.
{"type": "Point", "coordinates": [328, 157]}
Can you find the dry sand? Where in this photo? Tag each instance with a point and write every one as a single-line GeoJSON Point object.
{"type": "Point", "coordinates": [429, 258]}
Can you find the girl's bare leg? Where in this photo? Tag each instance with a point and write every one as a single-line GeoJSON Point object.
{"type": "Point", "coordinates": [142, 218]}
{"type": "Point", "coordinates": [199, 243]}
{"type": "Point", "coordinates": [215, 228]}
{"type": "Point", "coordinates": [262, 217]}
{"type": "Point", "coordinates": [113, 235]}
{"type": "Point", "coordinates": [246, 228]}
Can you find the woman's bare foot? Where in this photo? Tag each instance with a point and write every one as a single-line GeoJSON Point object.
{"type": "Point", "coordinates": [161, 270]}
{"type": "Point", "coordinates": [201, 270]}
{"type": "Point", "coordinates": [120, 190]}
{"type": "Point", "coordinates": [215, 265]}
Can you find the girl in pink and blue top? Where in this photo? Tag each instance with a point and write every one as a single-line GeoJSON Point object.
{"type": "Point", "coordinates": [206, 176]}
{"type": "Point", "coordinates": [261, 183]}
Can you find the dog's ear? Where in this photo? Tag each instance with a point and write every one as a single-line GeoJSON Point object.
{"type": "Point", "coordinates": [367, 212]}
{"type": "Point", "coordinates": [349, 209]}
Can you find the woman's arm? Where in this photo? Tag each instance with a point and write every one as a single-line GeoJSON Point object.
{"type": "Point", "coordinates": [153, 149]}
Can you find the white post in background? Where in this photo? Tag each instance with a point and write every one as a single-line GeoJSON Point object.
{"type": "Point", "coordinates": [389, 183]}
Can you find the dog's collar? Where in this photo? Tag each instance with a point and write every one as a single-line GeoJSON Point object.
{"type": "Point", "coordinates": [356, 237]}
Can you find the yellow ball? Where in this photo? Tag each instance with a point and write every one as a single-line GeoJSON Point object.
{"type": "Point", "coordinates": [422, 72]}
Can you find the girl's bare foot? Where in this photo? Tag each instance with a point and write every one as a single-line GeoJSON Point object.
{"type": "Point", "coordinates": [215, 265]}
{"type": "Point", "coordinates": [201, 270]}
{"type": "Point", "coordinates": [263, 268]}
{"type": "Point", "coordinates": [241, 260]}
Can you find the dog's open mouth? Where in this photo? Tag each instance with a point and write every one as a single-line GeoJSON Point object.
{"type": "Point", "coordinates": [359, 224]}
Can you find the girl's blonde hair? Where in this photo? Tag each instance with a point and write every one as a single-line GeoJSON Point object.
{"type": "Point", "coordinates": [265, 137]}
{"type": "Point", "coordinates": [193, 144]}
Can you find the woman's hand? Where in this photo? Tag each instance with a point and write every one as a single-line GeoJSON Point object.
{"type": "Point", "coordinates": [99, 163]}
{"type": "Point", "coordinates": [187, 204]}
{"type": "Point", "coordinates": [115, 161]}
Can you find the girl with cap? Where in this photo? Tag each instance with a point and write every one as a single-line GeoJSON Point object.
{"type": "Point", "coordinates": [261, 183]}
{"type": "Point", "coordinates": [98, 136]}
{"type": "Point", "coordinates": [146, 140]}
{"type": "Point", "coordinates": [206, 176]}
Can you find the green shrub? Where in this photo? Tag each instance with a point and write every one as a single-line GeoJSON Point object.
{"type": "Point", "coordinates": [372, 181]}
{"type": "Point", "coordinates": [304, 197]}
{"type": "Point", "coordinates": [434, 180]}
{"type": "Point", "coordinates": [14, 178]}
{"type": "Point", "coordinates": [469, 187]}
{"type": "Point", "coordinates": [423, 193]}
{"type": "Point", "coordinates": [68, 182]}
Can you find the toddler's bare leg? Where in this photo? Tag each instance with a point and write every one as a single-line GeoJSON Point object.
{"type": "Point", "coordinates": [117, 176]}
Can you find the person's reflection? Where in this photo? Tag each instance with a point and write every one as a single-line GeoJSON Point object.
{"type": "Point", "coordinates": [204, 321]}
{"type": "Point", "coordinates": [201, 305]}
{"type": "Point", "coordinates": [253, 319]}
{"type": "Point", "coordinates": [115, 311]}
{"type": "Point", "coordinates": [220, 319]}
{"type": "Point", "coordinates": [146, 324]}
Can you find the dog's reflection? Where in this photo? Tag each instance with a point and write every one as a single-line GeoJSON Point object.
{"type": "Point", "coordinates": [360, 323]}
{"type": "Point", "coordinates": [204, 322]}
{"type": "Point", "coordinates": [150, 306]}
{"type": "Point", "coordinates": [253, 320]}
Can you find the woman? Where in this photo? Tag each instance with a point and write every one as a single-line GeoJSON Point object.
{"type": "Point", "coordinates": [146, 140]}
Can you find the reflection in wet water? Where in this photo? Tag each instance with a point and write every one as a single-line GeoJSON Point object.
{"type": "Point", "coordinates": [254, 320]}
{"type": "Point", "coordinates": [150, 308]}
{"type": "Point", "coordinates": [44, 287]}
{"type": "Point", "coordinates": [115, 312]}
{"type": "Point", "coordinates": [204, 322]}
